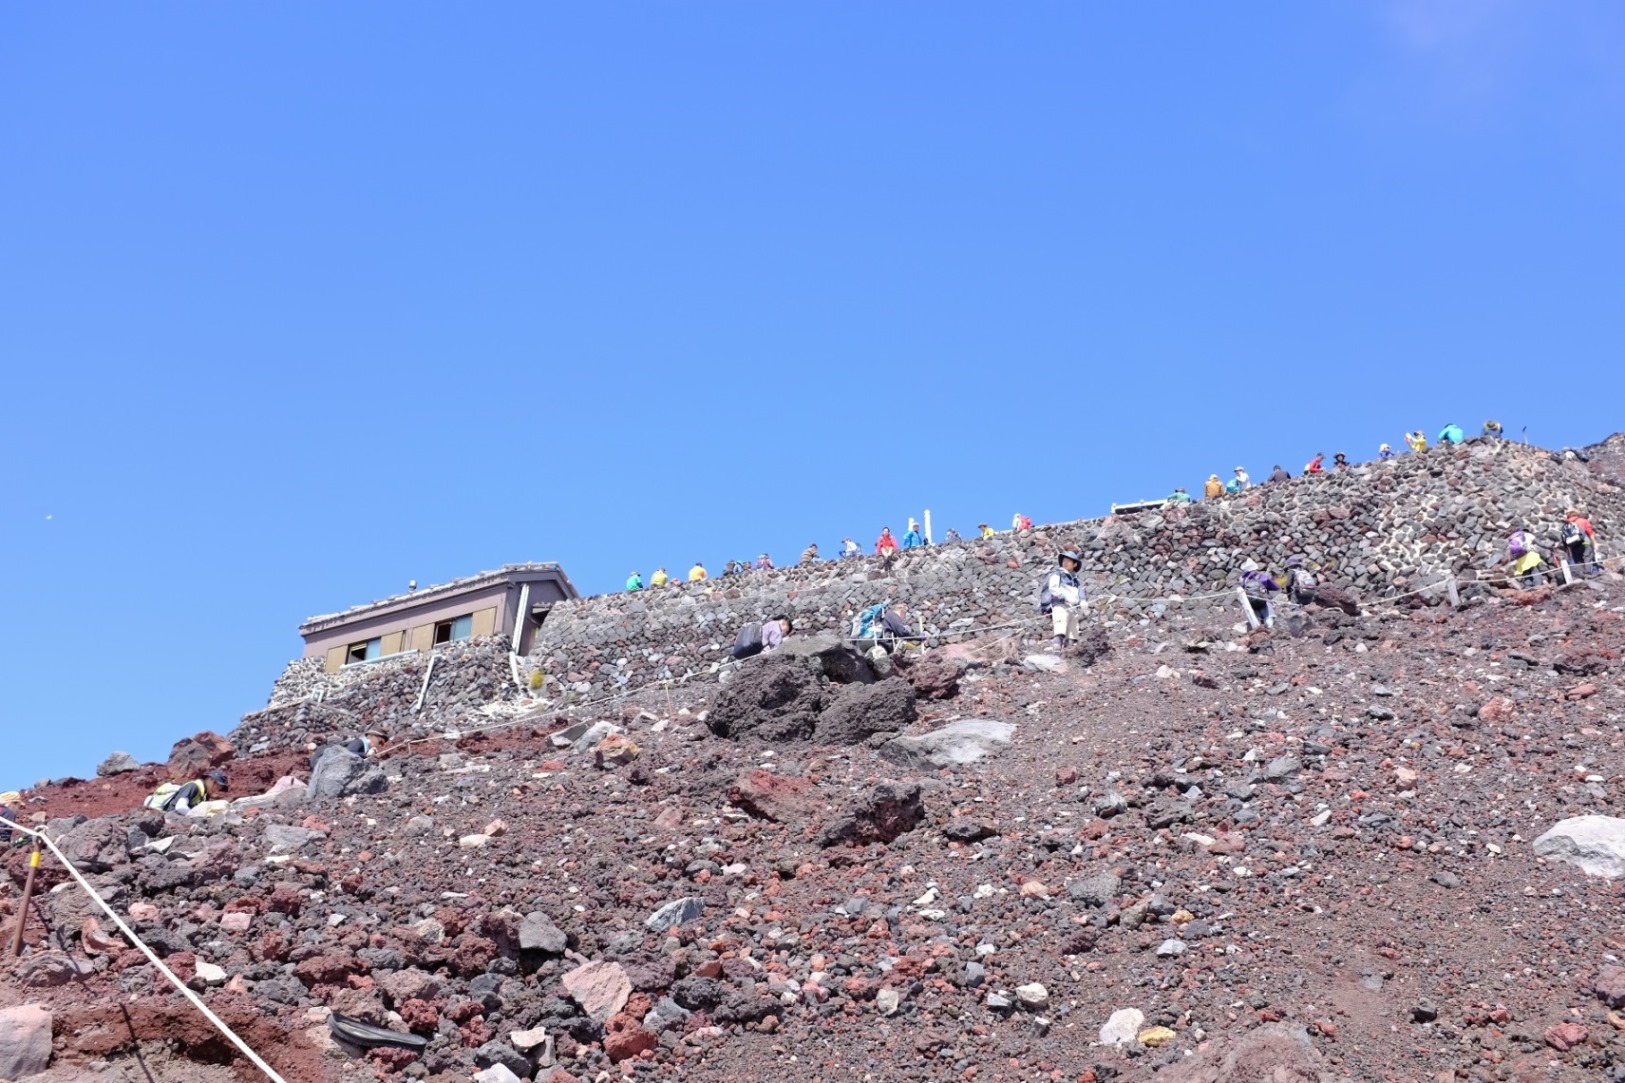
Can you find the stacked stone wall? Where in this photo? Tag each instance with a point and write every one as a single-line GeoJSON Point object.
{"type": "Point", "coordinates": [1380, 529]}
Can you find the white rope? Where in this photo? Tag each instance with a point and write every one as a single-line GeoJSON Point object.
{"type": "Point", "coordinates": [152, 957]}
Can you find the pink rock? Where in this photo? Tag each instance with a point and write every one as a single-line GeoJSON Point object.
{"type": "Point", "coordinates": [669, 819]}
{"type": "Point", "coordinates": [1611, 985]}
{"type": "Point", "coordinates": [496, 828]}
{"type": "Point", "coordinates": [143, 911]}
{"type": "Point", "coordinates": [1565, 1036]}
{"type": "Point", "coordinates": [236, 922]}
{"type": "Point", "coordinates": [600, 988]}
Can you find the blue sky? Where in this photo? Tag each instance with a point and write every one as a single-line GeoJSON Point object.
{"type": "Point", "coordinates": [299, 302]}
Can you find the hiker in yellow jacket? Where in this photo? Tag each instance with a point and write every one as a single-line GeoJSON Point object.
{"type": "Point", "coordinates": [1214, 487]}
{"type": "Point", "coordinates": [659, 578]}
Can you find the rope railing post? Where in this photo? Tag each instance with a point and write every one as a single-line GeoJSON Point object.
{"type": "Point", "coordinates": [152, 956]}
{"type": "Point", "coordinates": [28, 895]}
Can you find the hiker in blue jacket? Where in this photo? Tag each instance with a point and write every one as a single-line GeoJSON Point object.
{"type": "Point", "coordinates": [913, 539]}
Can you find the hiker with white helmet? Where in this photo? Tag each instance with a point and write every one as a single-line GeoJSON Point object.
{"type": "Point", "coordinates": [1258, 585]}
{"type": "Point", "coordinates": [1061, 597]}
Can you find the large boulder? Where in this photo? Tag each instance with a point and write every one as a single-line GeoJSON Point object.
{"type": "Point", "coordinates": [772, 698]}
{"type": "Point", "coordinates": [193, 756]}
{"type": "Point", "coordinates": [768, 795]}
{"type": "Point", "coordinates": [937, 675]}
{"type": "Point", "coordinates": [97, 845]}
{"type": "Point", "coordinates": [1594, 844]}
{"type": "Point", "coordinates": [341, 773]}
{"type": "Point", "coordinates": [838, 659]}
{"type": "Point", "coordinates": [857, 712]}
{"type": "Point", "coordinates": [25, 1041]}
{"type": "Point", "coordinates": [118, 763]}
{"type": "Point", "coordinates": [954, 745]}
{"type": "Point", "coordinates": [882, 814]}
{"type": "Point", "coordinates": [600, 988]}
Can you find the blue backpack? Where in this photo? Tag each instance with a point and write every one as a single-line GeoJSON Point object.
{"type": "Point", "coordinates": [864, 623]}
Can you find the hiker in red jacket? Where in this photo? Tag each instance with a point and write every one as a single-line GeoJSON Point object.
{"type": "Point", "coordinates": [1317, 465]}
{"type": "Point", "coordinates": [885, 544]}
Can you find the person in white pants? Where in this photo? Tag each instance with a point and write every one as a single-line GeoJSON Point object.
{"type": "Point", "coordinates": [1062, 598]}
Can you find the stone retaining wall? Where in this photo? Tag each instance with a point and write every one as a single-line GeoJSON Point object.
{"type": "Point", "coordinates": [1379, 529]}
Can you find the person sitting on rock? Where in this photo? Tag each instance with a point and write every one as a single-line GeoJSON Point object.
{"type": "Point", "coordinates": [913, 539]}
{"type": "Point", "coordinates": [950, 537]}
{"type": "Point", "coordinates": [1452, 434]}
{"type": "Point", "coordinates": [985, 530]}
{"type": "Point", "coordinates": [764, 563]}
{"type": "Point", "coordinates": [764, 638]}
{"type": "Point", "coordinates": [1317, 465]}
{"type": "Point", "coordinates": [697, 573]}
{"type": "Point", "coordinates": [885, 545]}
{"type": "Point", "coordinates": [1280, 473]}
{"type": "Point", "coordinates": [1416, 441]}
{"type": "Point", "coordinates": [183, 797]}
{"type": "Point", "coordinates": [850, 548]}
{"type": "Point", "coordinates": [1492, 429]}
{"type": "Point", "coordinates": [1258, 585]}
{"type": "Point", "coordinates": [1528, 569]}
{"type": "Point", "coordinates": [1240, 481]}
{"type": "Point", "coordinates": [1384, 452]}
{"type": "Point", "coordinates": [1214, 487]}
{"type": "Point", "coordinates": [1340, 462]}
{"type": "Point", "coordinates": [1178, 496]}
{"type": "Point", "coordinates": [1580, 542]}
{"type": "Point", "coordinates": [1061, 597]}
{"type": "Point", "coordinates": [809, 555]}
{"type": "Point", "coordinates": [882, 625]}
{"type": "Point", "coordinates": [1021, 524]}
{"type": "Point", "coordinates": [659, 578]}
{"type": "Point", "coordinates": [365, 745]}
{"type": "Point", "coordinates": [634, 582]}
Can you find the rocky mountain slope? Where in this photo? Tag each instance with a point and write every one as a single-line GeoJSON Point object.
{"type": "Point", "coordinates": [1188, 853]}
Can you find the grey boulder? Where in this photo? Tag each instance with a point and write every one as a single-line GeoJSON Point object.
{"type": "Point", "coordinates": [1593, 844]}
{"type": "Point", "coordinates": [954, 745]}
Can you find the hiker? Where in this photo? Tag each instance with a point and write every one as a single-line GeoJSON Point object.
{"type": "Point", "coordinates": [1061, 597]}
{"type": "Point", "coordinates": [1240, 481]}
{"type": "Point", "coordinates": [733, 568]}
{"type": "Point", "coordinates": [849, 548]}
{"type": "Point", "coordinates": [913, 539]}
{"type": "Point", "coordinates": [1416, 441]}
{"type": "Point", "coordinates": [1178, 496]}
{"type": "Point", "coordinates": [1258, 585]}
{"type": "Point", "coordinates": [1492, 429]}
{"type": "Point", "coordinates": [1300, 581]}
{"type": "Point", "coordinates": [1452, 434]}
{"type": "Point", "coordinates": [363, 746]}
{"type": "Point", "coordinates": [764, 563]}
{"type": "Point", "coordinates": [182, 797]}
{"type": "Point", "coordinates": [1384, 452]}
{"type": "Point", "coordinates": [985, 530]}
{"type": "Point", "coordinates": [885, 545]}
{"type": "Point", "coordinates": [881, 625]}
{"type": "Point", "coordinates": [1214, 487]}
{"type": "Point", "coordinates": [950, 537]}
{"type": "Point", "coordinates": [1527, 565]}
{"type": "Point", "coordinates": [1317, 465]}
{"type": "Point", "coordinates": [1340, 461]}
{"type": "Point", "coordinates": [764, 638]}
{"type": "Point", "coordinates": [1580, 542]}
{"type": "Point", "coordinates": [696, 573]}
{"type": "Point", "coordinates": [634, 582]}
{"type": "Point", "coordinates": [1021, 524]}
{"type": "Point", "coordinates": [8, 814]}
{"type": "Point", "coordinates": [1280, 474]}
{"type": "Point", "coordinates": [809, 555]}
{"type": "Point", "coordinates": [659, 578]}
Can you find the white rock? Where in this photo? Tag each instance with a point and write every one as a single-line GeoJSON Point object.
{"type": "Point", "coordinates": [1048, 663]}
{"type": "Point", "coordinates": [1032, 995]}
{"type": "Point", "coordinates": [210, 974]}
{"type": "Point", "coordinates": [1123, 1027]}
{"type": "Point", "coordinates": [886, 1001]}
{"type": "Point", "coordinates": [473, 842]}
{"type": "Point", "coordinates": [497, 1073]}
{"type": "Point", "coordinates": [526, 1040]}
{"type": "Point", "coordinates": [1595, 844]}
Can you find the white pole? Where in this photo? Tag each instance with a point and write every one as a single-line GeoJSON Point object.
{"type": "Point", "coordinates": [520, 619]}
{"type": "Point", "coordinates": [1247, 608]}
{"type": "Point", "coordinates": [1568, 573]}
{"type": "Point", "coordinates": [928, 526]}
{"type": "Point", "coordinates": [1450, 592]}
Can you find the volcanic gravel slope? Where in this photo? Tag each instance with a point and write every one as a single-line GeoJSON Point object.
{"type": "Point", "coordinates": [1305, 854]}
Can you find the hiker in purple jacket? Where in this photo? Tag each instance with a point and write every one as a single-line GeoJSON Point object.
{"type": "Point", "coordinates": [1258, 585]}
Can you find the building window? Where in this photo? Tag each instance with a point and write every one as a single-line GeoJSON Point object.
{"type": "Point", "coordinates": [363, 652]}
{"type": "Point", "coordinates": [451, 631]}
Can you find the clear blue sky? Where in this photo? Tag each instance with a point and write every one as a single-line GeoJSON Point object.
{"type": "Point", "coordinates": [301, 301]}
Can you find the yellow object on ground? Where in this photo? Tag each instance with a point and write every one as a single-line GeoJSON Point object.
{"type": "Point", "coordinates": [1153, 1037]}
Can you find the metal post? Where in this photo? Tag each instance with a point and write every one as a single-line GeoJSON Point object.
{"type": "Point", "coordinates": [1568, 573]}
{"type": "Point", "coordinates": [28, 894]}
{"type": "Point", "coordinates": [1247, 608]}
{"type": "Point", "coordinates": [1451, 593]}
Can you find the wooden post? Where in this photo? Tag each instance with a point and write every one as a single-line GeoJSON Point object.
{"type": "Point", "coordinates": [928, 540]}
{"type": "Point", "coordinates": [28, 894]}
{"type": "Point", "coordinates": [1247, 608]}
{"type": "Point", "coordinates": [1450, 592]}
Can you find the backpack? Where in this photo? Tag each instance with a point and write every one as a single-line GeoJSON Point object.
{"type": "Point", "coordinates": [1303, 579]}
{"type": "Point", "coordinates": [166, 797]}
{"type": "Point", "coordinates": [748, 641]}
{"type": "Point", "coordinates": [1572, 533]}
{"type": "Point", "coordinates": [1517, 544]}
{"type": "Point", "coordinates": [863, 622]}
